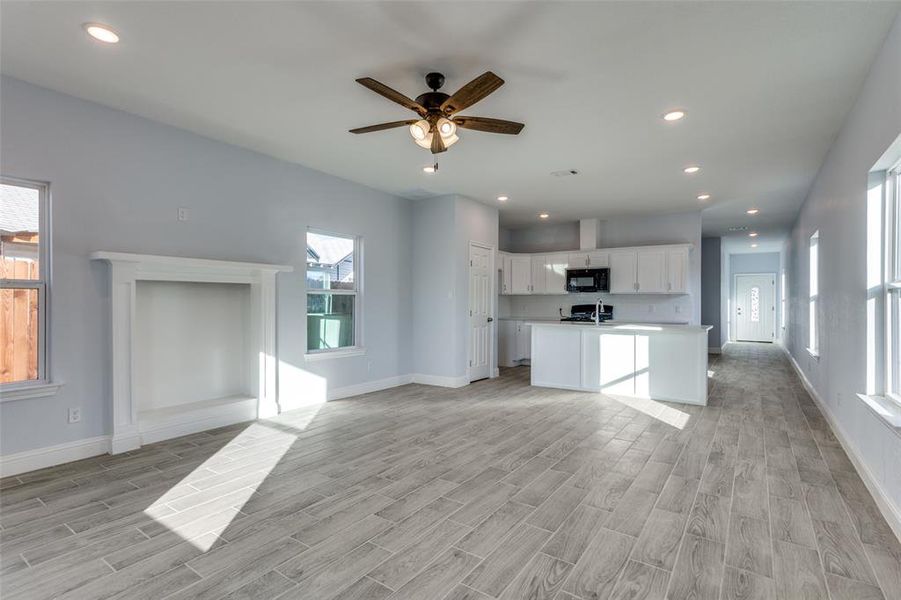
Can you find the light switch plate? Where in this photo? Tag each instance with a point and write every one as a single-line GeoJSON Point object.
{"type": "Point", "coordinates": [183, 214]}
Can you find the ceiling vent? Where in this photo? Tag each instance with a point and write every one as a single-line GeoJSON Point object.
{"type": "Point", "coordinates": [739, 228]}
{"type": "Point", "coordinates": [564, 173]}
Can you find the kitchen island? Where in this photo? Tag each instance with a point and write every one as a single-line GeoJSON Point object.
{"type": "Point", "coordinates": [657, 361]}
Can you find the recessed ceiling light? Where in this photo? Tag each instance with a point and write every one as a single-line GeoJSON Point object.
{"type": "Point", "coordinates": [753, 245]}
{"type": "Point", "coordinates": [752, 234]}
{"type": "Point", "coordinates": [674, 115]}
{"type": "Point", "coordinates": [704, 197]}
{"type": "Point", "coordinates": [752, 211]}
{"type": "Point", "coordinates": [502, 198]}
{"type": "Point", "coordinates": [102, 33]}
{"type": "Point", "coordinates": [543, 216]}
{"type": "Point", "coordinates": [691, 169]}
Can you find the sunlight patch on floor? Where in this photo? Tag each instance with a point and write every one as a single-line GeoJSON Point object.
{"type": "Point", "coordinates": [662, 412]}
{"type": "Point", "coordinates": [200, 517]}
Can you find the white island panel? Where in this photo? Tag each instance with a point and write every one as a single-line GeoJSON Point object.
{"type": "Point", "coordinates": [661, 362]}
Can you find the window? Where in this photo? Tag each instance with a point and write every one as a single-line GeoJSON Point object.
{"type": "Point", "coordinates": [755, 304]}
{"type": "Point", "coordinates": [24, 274]}
{"type": "Point", "coordinates": [333, 293]}
{"type": "Point", "coordinates": [814, 266]}
{"type": "Point", "coordinates": [893, 282]}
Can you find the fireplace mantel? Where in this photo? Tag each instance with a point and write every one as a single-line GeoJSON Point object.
{"type": "Point", "coordinates": [127, 270]}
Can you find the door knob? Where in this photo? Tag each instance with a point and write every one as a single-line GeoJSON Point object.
{"type": "Point", "coordinates": [490, 319]}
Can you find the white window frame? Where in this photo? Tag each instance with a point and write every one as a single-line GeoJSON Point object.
{"type": "Point", "coordinates": [358, 348]}
{"type": "Point", "coordinates": [813, 294]}
{"type": "Point", "coordinates": [42, 386]}
{"type": "Point", "coordinates": [892, 283]}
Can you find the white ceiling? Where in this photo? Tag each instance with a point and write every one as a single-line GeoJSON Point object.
{"type": "Point", "coordinates": [766, 86]}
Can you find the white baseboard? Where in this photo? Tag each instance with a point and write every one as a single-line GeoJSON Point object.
{"type": "Point", "coordinates": [890, 512]}
{"type": "Point", "coordinates": [440, 380]}
{"type": "Point", "coordinates": [369, 386]}
{"type": "Point", "coordinates": [41, 458]}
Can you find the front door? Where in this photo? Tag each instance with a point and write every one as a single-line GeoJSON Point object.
{"type": "Point", "coordinates": [479, 312]}
{"type": "Point", "coordinates": [755, 308]}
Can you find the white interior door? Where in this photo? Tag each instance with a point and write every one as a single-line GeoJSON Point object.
{"type": "Point", "coordinates": [479, 312]}
{"type": "Point", "coordinates": [755, 307]}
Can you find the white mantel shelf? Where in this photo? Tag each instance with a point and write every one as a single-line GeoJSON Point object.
{"type": "Point", "coordinates": [129, 432]}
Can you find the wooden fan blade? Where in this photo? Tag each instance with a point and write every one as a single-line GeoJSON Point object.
{"type": "Point", "coordinates": [382, 126]}
{"type": "Point", "coordinates": [393, 95]}
{"type": "Point", "coordinates": [437, 143]}
{"type": "Point", "coordinates": [489, 125]}
{"type": "Point", "coordinates": [472, 92]}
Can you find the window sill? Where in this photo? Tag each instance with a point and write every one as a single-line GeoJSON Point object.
{"type": "Point", "coordinates": [885, 408]}
{"type": "Point", "coordinates": [28, 390]}
{"type": "Point", "coordinates": [813, 353]}
{"type": "Point", "coordinates": [314, 356]}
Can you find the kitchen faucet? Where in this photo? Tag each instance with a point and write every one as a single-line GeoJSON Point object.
{"type": "Point", "coordinates": [597, 311]}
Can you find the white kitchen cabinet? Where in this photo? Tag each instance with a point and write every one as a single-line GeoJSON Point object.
{"type": "Point", "coordinates": [637, 270]}
{"type": "Point", "coordinates": [504, 262]}
{"type": "Point", "coordinates": [514, 342]}
{"type": "Point", "coordinates": [520, 274]}
{"type": "Point", "coordinates": [539, 280]}
{"type": "Point", "coordinates": [677, 271]}
{"type": "Point", "coordinates": [598, 259]}
{"type": "Point", "coordinates": [506, 343]}
{"type": "Point", "coordinates": [555, 266]}
{"type": "Point", "coordinates": [650, 271]}
{"type": "Point", "coordinates": [623, 271]}
{"type": "Point", "coordinates": [524, 341]}
{"type": "Point", "coordinates": [595, 259]}
{"type": "Point", "coordinates": [578, 260]}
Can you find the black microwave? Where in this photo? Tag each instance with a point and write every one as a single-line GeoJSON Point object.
{"type": "Point", "coordinates": [587, 280]}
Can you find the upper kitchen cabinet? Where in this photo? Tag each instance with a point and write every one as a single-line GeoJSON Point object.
{"type": "Point", "coordinates": [623, 272]}
{"type": "Point", "coordinates": [641, 270]}
{"type": "Point", "coordinates": [677, 270]}
{"type": "Point", "coordinates": [594, 259]}
{"type": "Point", "coordinates": [520, 274]}
{"type": "Point", "coordinates": [503, 262]}
{"type": "Point", "coordinates": [651, 271]}
{"type": "Point", "coordinates": [555, 266]}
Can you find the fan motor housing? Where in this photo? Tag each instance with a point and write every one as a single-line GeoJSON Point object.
{"type": "Point", "coordinates": [432, 101]}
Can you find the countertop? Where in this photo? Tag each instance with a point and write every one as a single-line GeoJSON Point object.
{"type": "Point", "coordinates": [626, 326]}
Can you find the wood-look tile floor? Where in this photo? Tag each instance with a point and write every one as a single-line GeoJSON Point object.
{"type": "Point", "coordinates": [496, 490]}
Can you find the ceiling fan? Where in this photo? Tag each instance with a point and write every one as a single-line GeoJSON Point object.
{"type": "Point", "coordinates": [436, 127]}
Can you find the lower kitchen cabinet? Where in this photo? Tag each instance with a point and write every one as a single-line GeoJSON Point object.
{"type": "Point", "coordinates": [514, 343]}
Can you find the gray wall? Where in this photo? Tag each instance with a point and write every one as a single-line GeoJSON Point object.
{"type": "Point", "coordinates": [763, 262]}
{"type": "Point", "coordinates": [434, 286]}
{"type": "Point", "coordinates": [442, 231]}
{"type": "Point", "coordinates": [543, 237]}
{"type": "Point", "coordinates": [837, 206]}
{"type": "Point", "coordinates": [711, 271]}
{"type": "Point", "coordinates": [116, 182]}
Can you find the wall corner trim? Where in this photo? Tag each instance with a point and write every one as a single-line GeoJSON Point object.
{"type": "Point", "coordinates": [41, 458]}
{"type": "Point", "coordinates": [890, 512]}
{"type": "Point", "coordinates": [440, 380]}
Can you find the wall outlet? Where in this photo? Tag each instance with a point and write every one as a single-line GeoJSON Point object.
{"type": "Point", "coordinates": [678, 308]}
{"type": "Point", "coordinates": [75, 415]}
{"type": "Point", "coordinates": [183, 214]}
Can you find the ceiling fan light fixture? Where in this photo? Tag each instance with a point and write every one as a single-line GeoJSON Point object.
{"type": "Point", "coordinates": [446, 127]}
{"type": "Point", "coordinates": [420, 131]}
